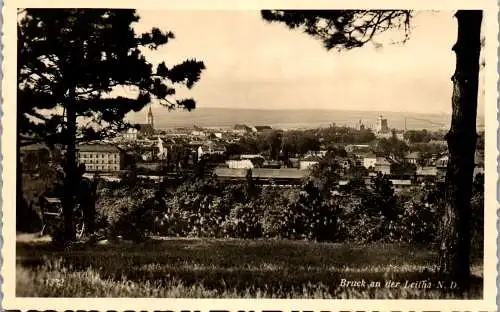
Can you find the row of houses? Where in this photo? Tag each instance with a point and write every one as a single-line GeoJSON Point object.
{"type": "Point", "coordinates": [100, 157]}
{"type": "Point", "coordinates": [435, 171]}
{"type": "Point", "coordinates": [109, 158]}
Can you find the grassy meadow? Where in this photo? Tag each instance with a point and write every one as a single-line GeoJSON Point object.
{"type": "Point", "coordinates": [209, 268]}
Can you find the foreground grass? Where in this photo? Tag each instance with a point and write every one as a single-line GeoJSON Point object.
{"type": "Point", "coordinates": [228, 269]}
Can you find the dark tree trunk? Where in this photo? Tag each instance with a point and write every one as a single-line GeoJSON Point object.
{"type": "Point", "coordinates": [461, 138]}
{"type": "Point", "coordinates": [70, 169]}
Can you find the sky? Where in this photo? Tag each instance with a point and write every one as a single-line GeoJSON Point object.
{"type": "Point", "coordinates": [251, 63]}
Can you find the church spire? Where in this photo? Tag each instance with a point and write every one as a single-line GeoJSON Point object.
{"type": "Point", "coordinates": [150, 117]}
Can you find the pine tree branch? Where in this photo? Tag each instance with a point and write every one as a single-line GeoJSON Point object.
{"type": "Point", "coordinates": [38, 116]}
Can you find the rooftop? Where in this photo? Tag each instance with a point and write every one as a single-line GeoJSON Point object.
{"type": "Point", "coordinates": [382, 161]}
{"type": "Point", "coordinates": [427, 171]}
{"type": "Point", "coordinates": [312, 158]}
{"type": "Point", "coordinates": [367, 155]}
{"type": "Point", "coordinates": [250, 156]}
{"type": "Point", "coordinates": [283, 173]}
{"type": "Point", "coordinates": [144, 128]}
{"type": "Point", "coordinates": [98, 148]}
{"type": "Point", "coordinates": [412, 155]}
{"type": "Point", "coordinates": [262, 173]}
{"type": "Point", "coordinates": [400, 182]}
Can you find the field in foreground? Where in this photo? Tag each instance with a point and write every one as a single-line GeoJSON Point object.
{"type": "Point", "coordinates": [200, 268]}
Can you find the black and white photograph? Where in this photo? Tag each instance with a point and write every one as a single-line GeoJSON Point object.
{"type": "Point", "coordinates": [252, 154]}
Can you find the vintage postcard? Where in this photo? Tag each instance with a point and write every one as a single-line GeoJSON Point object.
{"type": "Point", "coordinates": [249, 155]}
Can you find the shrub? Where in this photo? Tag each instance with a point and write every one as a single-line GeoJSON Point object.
{"type": "Point", "coordinates": [419, 222]}
{"type": "Point", "coordinates": [244, 221]}
{"type": "Point", "coordinates": [124, 210]}
{"type": "Point", "coordinates": [282, 216]}
{"type": "Point", "coordinates": [321, 220]}
{"type": "Point", "coordinates": [359, 226]}
{"type": "Point", "coordinates": [210, 209]}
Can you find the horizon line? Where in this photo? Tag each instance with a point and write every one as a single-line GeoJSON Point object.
{"type": "Point", "coordinates": [318, 109]}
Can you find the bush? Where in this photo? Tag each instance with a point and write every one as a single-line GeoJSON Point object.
{"type": "Point", "coordinates": [209, 209]}
{"type": "Point", "coordinates": [359, 226]}
{"type": "Point", "coordinates": [124, 210]}
{"type": "Point", "coordinates": [199, 216]}
{"type": "Point", "coordinates": [419, 222]}
{"type": "Point", "coordinates": [244, 221]}
{"type": "Point", "coordinates": [282, 216]}
{"type": "Point", "coordinates": [407, 217]}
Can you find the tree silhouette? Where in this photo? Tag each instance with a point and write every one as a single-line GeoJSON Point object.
{"type": "Point", "coordinates": [347, 29]}
{"type": "Point", "coordinates": [380, 200]}
{"type": "Point", "coordinates": [69, 63]}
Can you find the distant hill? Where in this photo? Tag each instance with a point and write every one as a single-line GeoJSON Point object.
{"type": "Point", "coordinates": [291, 119]}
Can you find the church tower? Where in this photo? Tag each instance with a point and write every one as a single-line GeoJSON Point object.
{"type": "Point", "coordinates": [150, 117]}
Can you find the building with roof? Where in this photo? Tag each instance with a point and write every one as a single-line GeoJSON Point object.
{"type": "Point", "coordinates": [401, 184]}
{"type": "Point", "coordinates": [138, 131]}
{"type": "Point", "coordinates": [198, 133]}
{"type": "Point", "coordinates": [442, 161]}
{"type": "Point", "coordinates": [145, 130]}
{"type": "Point", "coordinates": [412, 158]}
{"type": "Point", "coordinates": [369, 160]}
{"type": "Point", "coordinates": [150, 119]}
{"type": "Point", "coordinates": [441, 164]}
{"type": "Point", "coordinates": [320, 153]}
{"type": "Point", "coordinates": [141, 130]}
{"type": "Point", "coordinates": [210, 149]}
{"type": "Point", "coordinates": [275, 164]}
{"type": "Point", "coordinates": [240, 164]}
{"type": "Point", "coordinates": [360, 126]}
{"type": "Point", "coordinates": [131, 134]}
{"type": "Point", "coordinates": [382, 165]}
{"type": "Point", "coordinates": [428, 172]}
{"type": "Point", "coordinates": [309, 162]}
{"type": "Point", "coordinates": [276, 175]}
{"type": "Point", "coordinates": [382, 125]}
{"type": "Point", "coordinates": [251, 156]}
{"type": "Point", "coordinates": [363, 148]}
{"type": "Point", "coordinates": [283, 176]}
{"type": "Point", "coordinates": [101, 157]}
{"type": "Point", "coordinates": [241, 129]}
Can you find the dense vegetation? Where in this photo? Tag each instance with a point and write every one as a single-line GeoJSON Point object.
{"type": "Point", "coordinates": [211, 209]}
{"type": "Point", "coordinates": [317, 209]}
